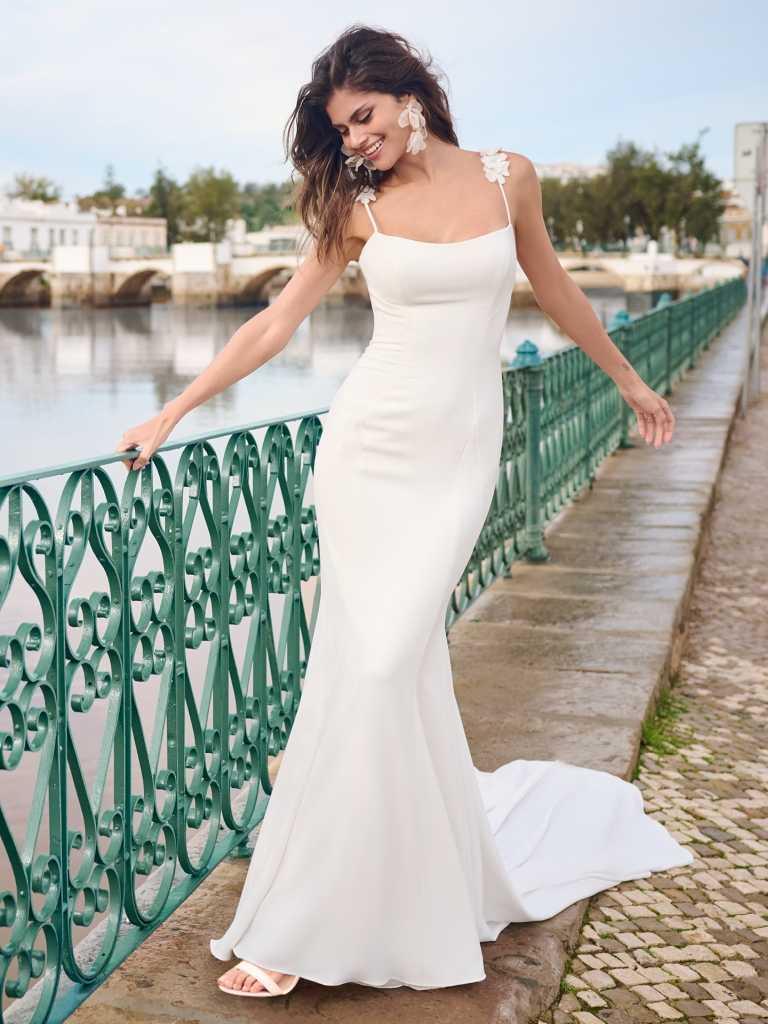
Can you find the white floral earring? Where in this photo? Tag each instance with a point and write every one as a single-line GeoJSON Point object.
{"type": "Point", "coordinates": [412, 114]}
{"type": "Point", "coordinates": [355, 160]}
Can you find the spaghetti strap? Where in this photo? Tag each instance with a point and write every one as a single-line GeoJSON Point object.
{"type": "Point", "coordinates": [496, 166]}
{"type": "Point", "coordinates": [364, 196]}
{"type": "Point", "coordinates": [368, 211]}
{"type": "Point", "coordinates": [506, 204]}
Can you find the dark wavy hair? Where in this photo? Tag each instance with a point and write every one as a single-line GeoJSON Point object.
{"type": "Point", "coordinates": [369, 60]}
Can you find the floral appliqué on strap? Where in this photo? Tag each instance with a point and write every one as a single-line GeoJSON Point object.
{"type": "Point", "coordinates": [495, 164]}
{"type": "Point", "coordinates": [366, 194]}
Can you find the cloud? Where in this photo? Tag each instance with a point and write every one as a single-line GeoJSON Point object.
{"type": "Point", "coordinates": [213, 84]}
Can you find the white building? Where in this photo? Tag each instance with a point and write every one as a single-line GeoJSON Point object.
{"type": "Point", "coordinates": [271, 238]}
{"type": "Point", "coordinates": [736, 225]}
{"type": "Point", "coordinates": [30, 228]}
{"type": "Point", "coordinates": [566, 172]}
{"type": "Point", "coordinates": [131, 236]}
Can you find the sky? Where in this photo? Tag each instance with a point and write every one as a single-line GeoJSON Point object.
{"type": "Point", "coordinates": [187, 85]}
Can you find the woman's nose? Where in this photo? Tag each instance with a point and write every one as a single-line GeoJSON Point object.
{"type": "Point", "coordinates": [355, 139]}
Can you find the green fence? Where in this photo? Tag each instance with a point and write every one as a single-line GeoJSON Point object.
{"type": "Point", "coordinates": [154, 634]}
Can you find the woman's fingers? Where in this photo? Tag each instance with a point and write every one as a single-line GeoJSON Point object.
{"type": "Point", "coordinates": [145, 438]}
{"type": "Point", "coordinates": [655, 425]}
{"type": "Point", "coordinates": [659, 428]}
{"type": "Point", "coordinates": [669, 422]}
{"type": "Point", "coordinates": [126, 445]}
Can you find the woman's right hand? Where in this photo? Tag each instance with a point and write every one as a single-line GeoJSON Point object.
{"type": "Point", "coordinates": [148, 435]}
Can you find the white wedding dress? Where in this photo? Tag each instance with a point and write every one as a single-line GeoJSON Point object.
{"type": "Point", "coordinates": [385, 856]}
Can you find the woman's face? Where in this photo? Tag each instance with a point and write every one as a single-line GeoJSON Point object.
{"type": "Point", "coordinates": [363, 119]}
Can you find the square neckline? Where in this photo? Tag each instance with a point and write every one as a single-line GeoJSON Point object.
{"type": "Point", "coordinates": [486, 157]}
{"type": "Point", "coordinates": [422, 241]}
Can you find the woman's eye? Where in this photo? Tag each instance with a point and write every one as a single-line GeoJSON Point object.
{"type": "Point", "coordinates": [361, 120]}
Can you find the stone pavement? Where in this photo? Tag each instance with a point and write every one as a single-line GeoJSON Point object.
{"type": "Point", "coordinates": [562, 660]}
{"type": "Point", "coordinates": [692, 944]}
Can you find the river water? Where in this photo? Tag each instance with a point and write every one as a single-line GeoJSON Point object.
{"type": "Point", "coordinates": [73, 380]}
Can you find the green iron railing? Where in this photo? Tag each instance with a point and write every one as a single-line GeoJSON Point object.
{"type": "Point", "coordinates": [143, 682]}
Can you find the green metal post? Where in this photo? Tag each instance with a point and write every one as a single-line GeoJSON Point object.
{"type": "Point", "coordinates": [622, 342]}
{"type": "Point", "coordinates": [668, 345]}
{"type": "Point", "coordinates": [530, 361]}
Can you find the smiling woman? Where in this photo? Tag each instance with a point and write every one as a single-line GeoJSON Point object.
{"type": "Point", "coordinates": [355, 100]}
{"type": "Point", "coordinates": [385, 857]}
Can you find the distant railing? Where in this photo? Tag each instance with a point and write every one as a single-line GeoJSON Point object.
{"type": "Point", "coordinates": [275, 247]}
{"type": "Point", "coordinates": [137, 252]}
{"type": "Point", "coordinates": [564, 416]}
{"type": "Point", "coordinates": [24, 255]}
{"type": "Point", "coordinates": [154, 633]}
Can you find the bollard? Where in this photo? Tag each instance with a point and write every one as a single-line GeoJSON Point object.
{"type": "Point", "coordinates": [619, 319]}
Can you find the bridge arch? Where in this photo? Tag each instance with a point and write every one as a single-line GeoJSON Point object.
{"type": "Point", "coordinates": [28, 287]}
{"type": "Point", "coordinates": [594, 273]}
{"type": "Point", "coordinates": [254, 289]}
{"type": "Point", "coordinates": [137, 288]}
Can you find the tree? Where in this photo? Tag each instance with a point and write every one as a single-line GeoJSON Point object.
{"type": "Point", "coordinates": [166, 199]}
{"type": "Point", "coordinates": [27, 186]}
{"type": "Point", "coordinates": [695, 195]}
{"type": "Point", "coordinates": [105, 198]}
{"type": "Point", "coordinates": [265, 204]}
{"type": "Point", "coordinates": [111, 190]}
{"type": "Point", "coordinates": [210, 200]}
{"type": "Point", "coordinates": [560, 219]}
{"type": "Point", "coordinates": [649, 189]}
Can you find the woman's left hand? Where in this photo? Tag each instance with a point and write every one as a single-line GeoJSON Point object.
{"type": "Point", "coordinates": [655, 419]}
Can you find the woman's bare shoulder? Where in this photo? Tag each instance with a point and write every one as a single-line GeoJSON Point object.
{"type": "Point", "coordinates": [520, 166]}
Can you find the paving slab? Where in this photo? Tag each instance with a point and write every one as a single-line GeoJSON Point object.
{"type": "Point", "coordinates": [560, 660]}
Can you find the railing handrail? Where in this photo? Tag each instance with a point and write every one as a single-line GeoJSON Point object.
{"type": "Point", "coordinates": [104, 460]}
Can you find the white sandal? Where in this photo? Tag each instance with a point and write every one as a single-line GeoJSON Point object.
{"type": "Point", "coordinates": [271, 987]}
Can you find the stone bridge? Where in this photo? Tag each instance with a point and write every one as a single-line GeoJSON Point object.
{"type": "Point", "coordinates": [193, 272]}
{"type": "Point", "coordinates": [202, 273]}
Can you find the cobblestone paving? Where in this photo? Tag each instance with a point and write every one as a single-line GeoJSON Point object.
{"type": "Point", "coordinates": [691, 944]}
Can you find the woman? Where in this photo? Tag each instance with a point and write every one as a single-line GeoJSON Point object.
{"type": "Point", "coordinates": [385, 857]}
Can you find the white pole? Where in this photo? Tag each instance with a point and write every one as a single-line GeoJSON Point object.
{"type": "Point", "coordinates": [762, 168]}
{"type": "Point", "coordinates": [745, 385]}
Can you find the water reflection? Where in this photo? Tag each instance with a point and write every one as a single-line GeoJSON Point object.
{"type": "Point", "coordinates": [74, 379]}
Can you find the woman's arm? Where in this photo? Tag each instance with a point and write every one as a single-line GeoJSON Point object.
{"type": "Point", "coordinates": [253, 343]}
{"type": "Point", "coordinates": [562, 299]}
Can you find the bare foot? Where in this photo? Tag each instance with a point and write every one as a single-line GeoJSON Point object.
{"type": "Point", "coordinates": [240, 980]}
